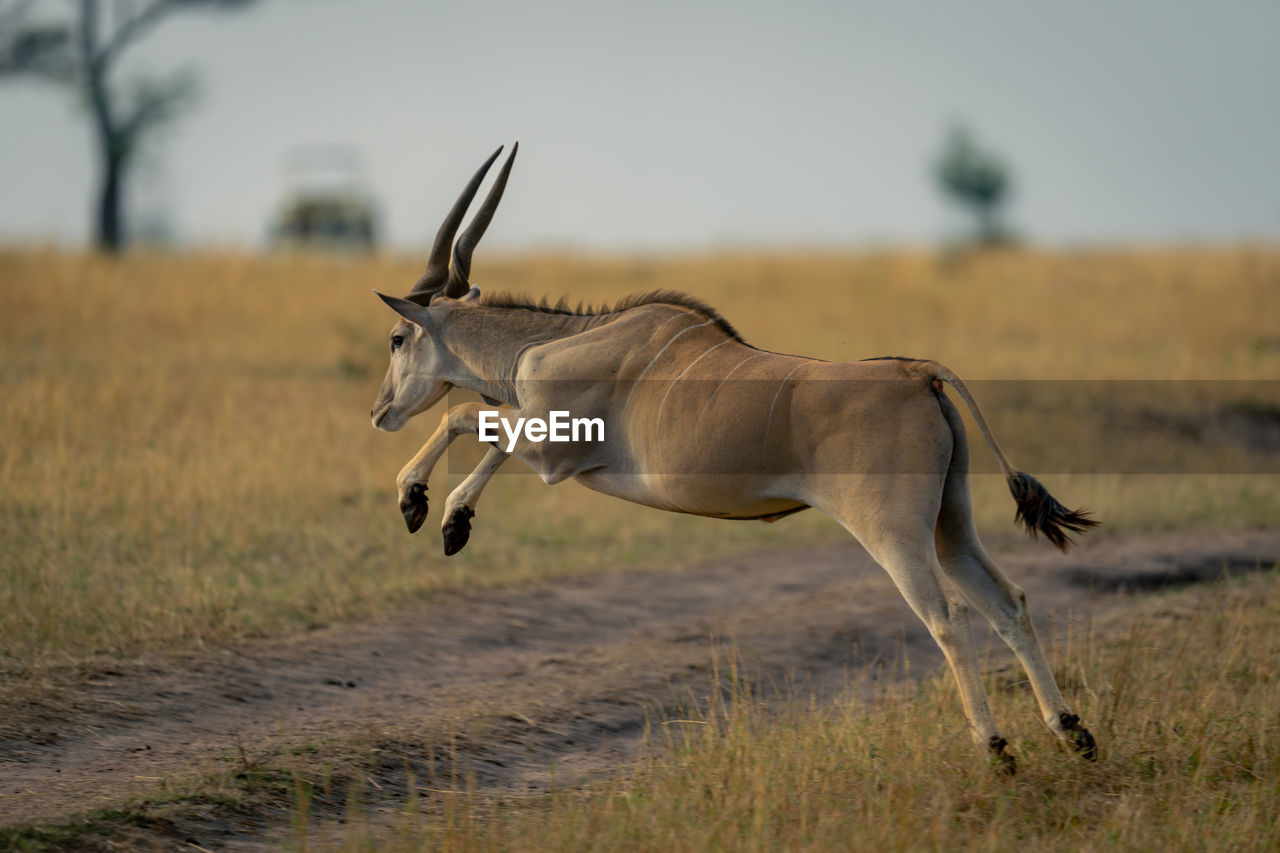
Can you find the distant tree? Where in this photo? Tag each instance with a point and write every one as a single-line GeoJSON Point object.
{"type": "Point", "coordinates": [977, 180]}
{"type": "Point", "coordinates": [80, 49]}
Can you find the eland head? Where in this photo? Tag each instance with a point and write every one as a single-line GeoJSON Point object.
{"type": "Point", "coordinates": [417, 376]}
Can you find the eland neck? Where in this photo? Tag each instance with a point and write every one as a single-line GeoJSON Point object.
{"type": "Point", "coordinates": [487, 341]}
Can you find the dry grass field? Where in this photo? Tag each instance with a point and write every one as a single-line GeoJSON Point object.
{"type": "Point", "coordinates": [186, 461]}
{"type": "Point", "coordinates": [760, 769]}
{"type": "Point", "coordinates": [185, 453]}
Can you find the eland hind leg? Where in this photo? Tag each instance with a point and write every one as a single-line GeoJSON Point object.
{"type": "Point", "coordinates": [1004, 604]}
{"type": "Point", "coordinates": [904, 548]}
{"type": "Point", "coordinates": [913, 567]}
{"type": "Point", "coordinates": [967, 565]}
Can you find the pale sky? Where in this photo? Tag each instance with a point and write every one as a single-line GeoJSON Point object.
{"type": "Point", "coordinates": [684, 125]}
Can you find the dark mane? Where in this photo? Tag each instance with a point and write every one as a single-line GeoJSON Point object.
{"type": "Point", "coordinates": [653, 297]}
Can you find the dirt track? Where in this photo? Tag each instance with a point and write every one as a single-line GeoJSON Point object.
{"type": "Point", "coordinates": [560, 673]}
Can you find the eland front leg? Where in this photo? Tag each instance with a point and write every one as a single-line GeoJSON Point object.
{"type": "Point", "coordinates": [460, 507]}
{"type": "Point", "coordinates": [411, 482]}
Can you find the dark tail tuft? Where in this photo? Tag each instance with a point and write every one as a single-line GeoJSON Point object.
{"type": "Point", "coordinates": [1040, 511]}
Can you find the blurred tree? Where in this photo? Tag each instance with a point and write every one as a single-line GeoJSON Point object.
{"type": "Point", "coordinates": [977, 180]}
{"type": "Point", "coordinates": [80, 50]}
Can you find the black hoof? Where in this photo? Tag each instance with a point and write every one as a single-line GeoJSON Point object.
{"type": "Point", "coordinates": [457, 530]}
{"type": "Point", "coordinates": [1078, 737]}
{"type": "Point", "coordinates": [1002, 759]}
{"type": "Point", "coordinates": [414, 506]}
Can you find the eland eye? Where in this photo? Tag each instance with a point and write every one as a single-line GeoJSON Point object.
{"type": "Point", "coordinates": [397, 341]}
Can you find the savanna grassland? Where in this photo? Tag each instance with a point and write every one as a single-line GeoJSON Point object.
{"type": "Point", "coordinates": [1185, 697]}
{"type": "Point", "coordinates": [185, 451]}
{"type": "Point", "coordinates": [186, 461]}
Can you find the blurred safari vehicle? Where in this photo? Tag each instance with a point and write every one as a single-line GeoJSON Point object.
{"type": "Point", "coordinates": [327, 203]}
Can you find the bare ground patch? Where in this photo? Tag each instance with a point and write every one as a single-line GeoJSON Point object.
{"type": "Point", "coordinates": [517, 689]}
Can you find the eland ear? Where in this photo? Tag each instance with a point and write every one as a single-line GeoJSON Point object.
{"type": "Point", "coordinates": [472, 295]}
{"type": "Point", "coordinates": [411, 311]}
